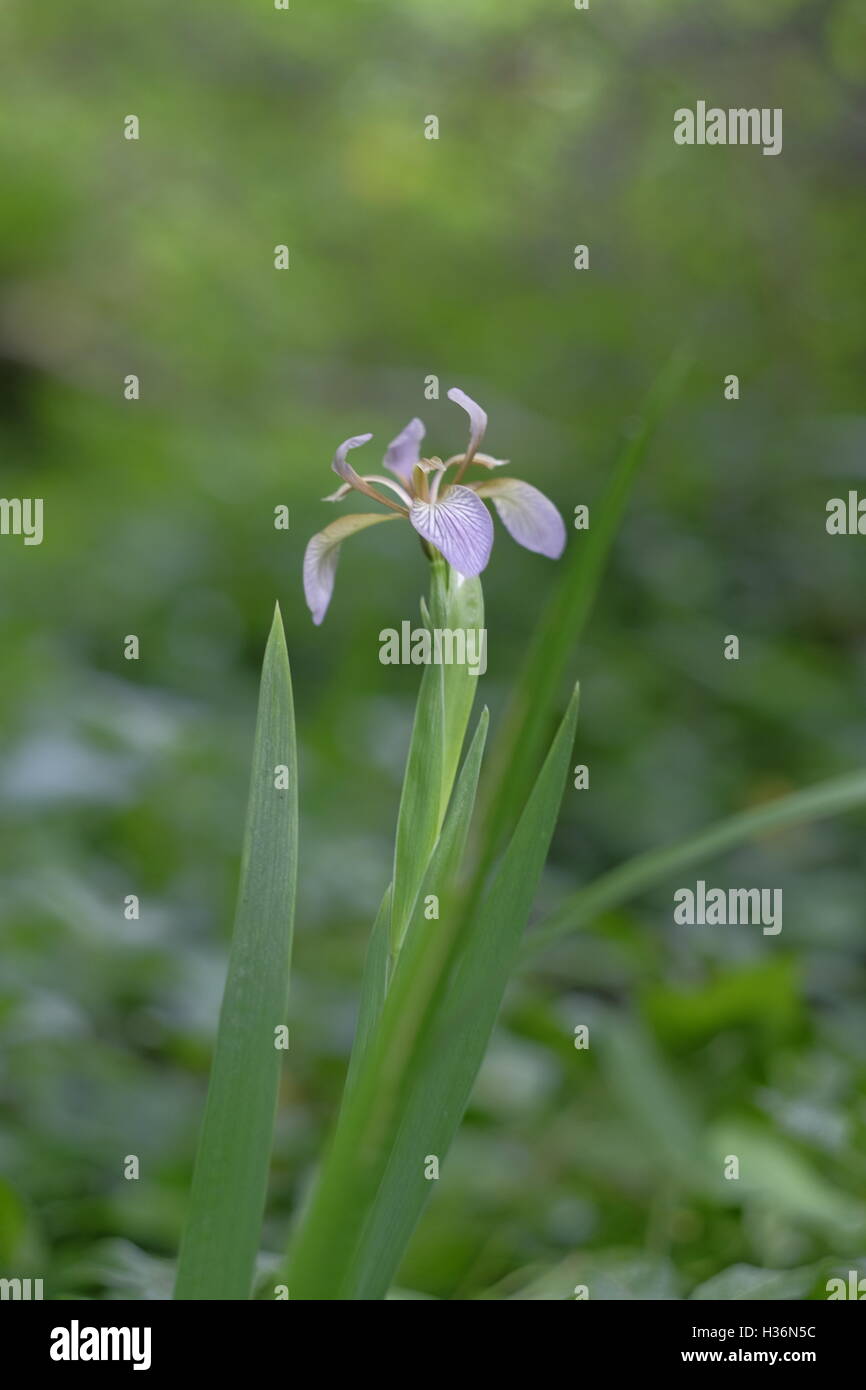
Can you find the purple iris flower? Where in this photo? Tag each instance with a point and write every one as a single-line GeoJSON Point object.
{"type": "Point", "coordinates": [446, 512]}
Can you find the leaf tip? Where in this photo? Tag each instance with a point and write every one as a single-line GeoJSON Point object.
{"type": "Point", "coordinates": [277, 629]}
{"type": "Point", "coordinates": [276, 649]}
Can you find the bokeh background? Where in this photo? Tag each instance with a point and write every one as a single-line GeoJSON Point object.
{"type": "Point", "coordinates": [409, 258]}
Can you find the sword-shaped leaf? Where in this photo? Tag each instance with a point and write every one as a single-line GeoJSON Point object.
{"type": "Point", "coordinates": [223, 1229]}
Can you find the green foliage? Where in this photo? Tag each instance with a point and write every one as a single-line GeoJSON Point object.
{"type": "Point", "coordinates": [441, 715]}
{"type": "Point", "coordinates": [223, 1230]}
{"type": "Point", "coordinates": [479, 959]}
{"type": "Point", "coordinates": [388, 1075]}
{"type": "Point", "coordinates": [411, 258]}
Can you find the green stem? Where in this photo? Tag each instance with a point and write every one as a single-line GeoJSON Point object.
{"type": "Point", "coordinates": [442, 714]}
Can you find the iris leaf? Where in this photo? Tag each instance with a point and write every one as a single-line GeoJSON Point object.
{"type": "Point", "coordinates": [416, 1077]}
{"type": "Point", "coordinates": [374, 985]}
{"type": "Point", "coordinates": [487, 939]}
{"type": "Point", "coordinates": [321, 1260]}
{"type": "Point", "coordinates": [223, 1229]}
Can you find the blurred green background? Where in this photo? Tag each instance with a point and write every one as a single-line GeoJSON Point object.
{"type": "Point", "coordinates": [409, 258]}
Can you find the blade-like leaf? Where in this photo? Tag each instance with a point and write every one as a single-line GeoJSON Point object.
{"type": "Point", "coordinates": [223, 1228]}
{"type": "Point", "coordinates": [452, 1045]}
{"type": "Point", "coordinates": [374, 986]}
{"type": "Point", "coordinates": [416, 1114]}
{"type": "Point", "coordinates": [643, 872]}
{"type": "Point", "coordinates": [526, 727]}
{"type": "Point", "coordinates": [371, 1108]}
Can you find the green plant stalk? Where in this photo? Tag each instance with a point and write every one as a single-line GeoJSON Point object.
{"type": "Point", "coordinates": [223, 1230]}
{"type": "Point", "coordinates": [419, 1067]}
{"type": "Point", "coordinates": [370, 1114]}
{"type": "Point", "coordinates": [442, 713]}
{"type": "Point", "coordinates": [487, 929]}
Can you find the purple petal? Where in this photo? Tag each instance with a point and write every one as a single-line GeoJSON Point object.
{"type": "Point", "coordinates": [404, 452]}
{"type": "Point", "coordinates": [342, 491]}
{"type": "Point", "coordinates": [477, 417]}
{"type": "Point", "coordinates": [531, 517]}
{"type": "Point", "coordinates": [322, 553]}
{"type": "Point", "coordinates": [341, 466]}
{"type": "Point", "coordinates": [398, 491]}
{"type": "Point", "coordinates": [460, 526]}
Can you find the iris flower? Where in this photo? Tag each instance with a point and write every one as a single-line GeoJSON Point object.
{"type": "Point", "coordinates": [447, 513]}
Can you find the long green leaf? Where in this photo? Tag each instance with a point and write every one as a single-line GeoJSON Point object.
{"type": "Point", "coordinates": [370, 1114]}
{"type": "Point", "coordinates": [444, 705]}
{"type": "Point", "coordinates": [646, 870]}
{"type": "Point", "coordinates": [452, 1045]}
{"type": "Point", "coordinates": [531, 711]}
{"type": "Point", "coordinates": [374, 986]}
{"type": "Point", "coordinates": [223, 1228]}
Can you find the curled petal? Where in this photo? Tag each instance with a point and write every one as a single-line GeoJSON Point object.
{"type": "Point", "coordinates": [342, 466]}
{"type": "Point", "coordinates": [531, 517]}
{"type": "Point", "coordinates": [404, 452]}
{"type": "Point", "coordinates": [459, 526]}
{"type": "Point", "coordinates": [322, 553]}
{"type": "Point", "coordinates": [477, 420]}
{"type": "Point", "coordinates": [345, 470]}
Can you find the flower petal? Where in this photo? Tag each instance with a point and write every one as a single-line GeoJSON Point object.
{"type": "Point", "coordinates": [345, 488]}
{"type": "Point", "coordinates": [531, 517]}
{"type": "Point", "coordinates": [477, 418]}
{"type": "Point", "coordinates": [389, 483]}
{"type": "Point", "coordinates": [404, 452]}
{"type": "Point", "coordinates": [322, 553]}
{"type": "Point", "coordinates": [345, 470]}
{"type": "Point", "coordinates": [340, 464]}
{"type": "Point", "coordinates": [342, 491]}
{"type": "Point", "coordinates": [459, 525]}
